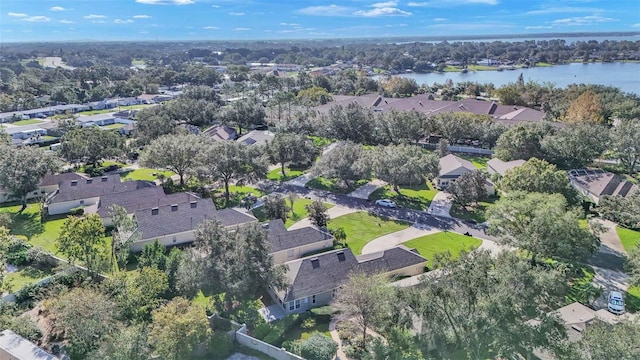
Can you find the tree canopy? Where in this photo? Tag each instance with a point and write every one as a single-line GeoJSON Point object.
{"type": "Point", "coordinates": [178, 153]}
{"type": "Point", "coordinates": [403, 164]}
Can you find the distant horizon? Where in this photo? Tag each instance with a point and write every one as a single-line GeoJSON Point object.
{"type": "Point", "coordinates": [523, 36]}
{"type": "Point", "coordinates": [224, 20]}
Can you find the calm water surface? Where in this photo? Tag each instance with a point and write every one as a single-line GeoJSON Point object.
{"type": "Point", "coordinates": [626, 76]}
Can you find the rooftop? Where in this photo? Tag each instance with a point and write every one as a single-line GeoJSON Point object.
{"type": "Point", "coordinates": [451, 162]}
{"type": "Point", "coordinates": [501, 167]}
{"type": "Point", "coordinates": [95, 187]}
{"type": "Point", "coordinates": [281, 239]}
{"type": "Point", "coordinates": [19, 348]}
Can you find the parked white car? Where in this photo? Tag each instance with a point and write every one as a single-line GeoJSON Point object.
{"type": "Point", "coordinates": [385, 203]}
{"type": "Point", "coordinates": [615, 303]}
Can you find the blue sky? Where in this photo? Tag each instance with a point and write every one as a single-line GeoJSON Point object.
{"type": "Point", "coordinates": [59, 20]}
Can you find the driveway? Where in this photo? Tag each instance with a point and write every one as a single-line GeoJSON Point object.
{"type": "Point", "coordinates": [301, 180]}
{"type": "Point", "coordinates": [440, 205]}
{"type": "Point", "coordinates": [364, 191]}
{"type": "Point", "coordinates": [334, 212]}
{"type": "Point", "coordinates": [396, 238]}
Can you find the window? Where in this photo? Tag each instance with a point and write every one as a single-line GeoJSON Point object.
{"type": "Point", "coordinates": [298, 304]}
{"type": "Point", "coordinates": [35, 193]}
{"type": "Point", "coordinates": [313, 299]}
{"type": "Point", "coordinates": [290, 253]}
{"type": "Point", "coordinates": [291, 305]}
{"type": "Point", "coordinates": [81, 202]}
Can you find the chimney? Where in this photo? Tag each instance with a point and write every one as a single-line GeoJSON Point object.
{"type": "Point", "coordinates": [74, 182]}
{"type": "Point", "coordinates": [154, 211]}
{"type": "Point", "coordinates": [193, 204]}
{"type": "Point", "coordinates": [174, 207]}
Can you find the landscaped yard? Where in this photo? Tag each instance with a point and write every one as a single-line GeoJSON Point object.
{"type": "Point", "coordinates": [333, 185]}
{"type": "Point", "coordinates": [113, 126]}
{"type": "Point", "coordinates": [299, 211]}
{"type": "Point", "coordinates": [145, 174]}
{"type": "Point", "coordinates": [25, 276]}
{"type": "Point", "coordinates": [629, 238]}
{"type": "Point", "coordinates": [26, 122]}
{"type": "Point", "coordinates": [320, 324]}
{"type": "Point", "coordinates": [361, 228]}
{"type": "Point", "coordinates": [276, 174]}
{"type": "Point", "coordinates": [441, 242]}
{"type": "Point", "coordinates": [474, 212]}
{"type": "Point", "coordinates": [632, 300]}
{"type": "Point", "coordinates": [413, 197]}
{"type": "Point", "coordinates": [237, 195]}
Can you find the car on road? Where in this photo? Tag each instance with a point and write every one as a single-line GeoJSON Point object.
{"type": "Point", "coordinates": [615, 302]}
{"type": "Point", "coordinates": [385, 203]}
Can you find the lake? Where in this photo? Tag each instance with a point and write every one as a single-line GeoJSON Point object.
{"type": "Point", "coordinates": [625, 76]}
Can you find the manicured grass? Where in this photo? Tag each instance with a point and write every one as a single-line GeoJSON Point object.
{"type": "Point", "coordinates": [361, 228]}
{"type": "Point", "coordinates": [28, 224]}
{"type": "Point", "coordinates": [474, 212]}
{"type": "Point", "coordinates": [416, 197]}
{"type": "Point", "coordinates": [481, 67]}
{"type": "Point", "coordinates": [236, 195]}
{"type": "Point", "coordinates": [480, 162]}
{"type": "Point", "coordinates": [298, 213]}
{"type": "Point", "coordinates": [632, 299]}
{"type": "Point", "coordinates": [333, 185]}
{"type": "Point", "coordinates": [145, 174]}
{"type": "Point", "coordinates": [26, 276]}
{"type": "Point", "coordinates": [543, 64]}
{"type": "Point", "coordinates": [113, 126]}
{"type": "Point", "coordinates": [578, 283]}
{"type": "Point", "coordinates": [276, 174]}
{"type": "Point", "coordinates": [298, 333]}
{"type": "Point", "coordinates": [27, 122]}
{"type": "Point", "coordinates": [629, 238]}
{"type": "Point", "coordinates": [441, 242]}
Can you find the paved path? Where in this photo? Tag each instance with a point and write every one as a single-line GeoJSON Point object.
{"type": "Point", "coordinates": [334, 212]}
{"type": "Point", "coordinates": [396, 238]}
{"type": "Point", "coordinates": [364, 191]}
{"type": "Point", "coordinates": [334, 335]}
{"type": "Point", "coordinates": [301, 180]}
{"type": "Point", "coordinates": [440, 205]}
{"type": "Point", "coordinates": [610, 237]}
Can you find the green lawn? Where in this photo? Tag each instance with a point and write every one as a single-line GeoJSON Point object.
{"type": "Point", "coordinates": [454, 243]}
{"type": "Point", "coordinates": [300, 333]}
{"type": "Point", "coordinates": [333, 185]}
{"type": "Point", "coordinates": [237, 195]}
{"type": "Point", "coordinates": [28, 224]}
{"type": "Point", "coordinates": [361, 228]}
{"type": "Point", "coordinates": [25, 276]}
{"type": "Point", "coordinates": [474, 212]}
{"type": "Point", "coordinates": [543, 64]}
{"type": "Point", "coordinates": [299, 211]}
{"type": "Point", "coordinates": [413, 197]}
{"type": "Point", "coordinates": [276, 174]}
{"type": "Point", "coordinates": [27, 122]}
{"type": "Point", "coordinates": [119, 108]}
{"type": "Point", "coordinates": [632, 300]}
{"type": "Point", "coordinates": [145, 174]}
{"type": "Point", "coordinates": [480, 162]}
{"type": "Point", "coordinates": [629, 238]}
{"type": "Point", "coordinates": [579, 283]}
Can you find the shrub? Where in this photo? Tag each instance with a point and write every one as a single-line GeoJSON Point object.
{"type": "Point", "coordinates": [220, 345]}
{"type": "Point", "coordinates": [318, 347]}
{"type": "Point", "coordinates": [26, 328]}
{"type": "Point", "coordinates": [79, 211]}
{"type": "Point", "coordinates": [16, 252]}
{"type": "Point", "coordinates": [309, 323]}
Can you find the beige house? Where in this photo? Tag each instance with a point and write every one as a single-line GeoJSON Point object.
{"type": "Point", "coordinates": [287, 245]}
{"type": "Point", "coordinates": [451, 168]}
{"type": "Point", "coordinates": [596, 183]}
{"type": "Point", "coordinates": [314, 280]}
{"type": "Point", "coordinates": [497, 166]}
{"type": "Point", "coordinates": [48, 185]}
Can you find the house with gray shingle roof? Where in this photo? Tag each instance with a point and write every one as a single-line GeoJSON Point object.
{"type": "Point", "coordinates": [314, 280]}
{"type": "Point", "coordinates": [287, 245]}
{"type": "Point", "coordinates": [48, 185]}
{"type": "Point", "coordinates": [497, 166]}
{"type": "Point", "coordinates": [596, 183]}
{"type": "Point", "coordinates": [15, 347]}
{"type": "Point", "coordinates": [451, 167]}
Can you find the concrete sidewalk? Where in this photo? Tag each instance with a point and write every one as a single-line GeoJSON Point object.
{"type": "Point", "coordinates": [334, 212]}
{"type": "Point", "coordinates": [364, 191]}
{"type": "Point", "coordinates": [440, 205]}
{"type": "Point", "coordinates": [396, 238]}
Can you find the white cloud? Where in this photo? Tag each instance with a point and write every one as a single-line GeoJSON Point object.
{"type": "Point", "coordinates": [387, 8]}
{"type": "Point", "coordinates": [215, 6]}
{"type": "Point", "coordinates": [566, 9]}
{"type": "Point", "coordinates": [98, 22]}
{"type": "Point", "coordinates": [166, 2]}
{"type": "Point", "coordinates": [445, 3]}
{"type": "Point", "coordinates": [120, 21]}
{"type": "Point", "coordinates": [326, 10]}
{"type": "Point", "coordinates": [141, 17]}
{"type": "Point", "coordinates": [538, 27]}
{"type": "Point", "coordinates": [12, 14]}
{"type": "Point", "coordinates": [93, 16]}
{"type": "Point", "coordinates": [237, 14]}
{"type": "Point", "coordinates": [65, 22]}
{"type": "Point", "coordinates": [385, 4]}
{"type": "Point", "coordinates": [241, 29]}
{"type": "Point", "coordinates": [440, 19]}
{"type": "Point", "coordinates": [36, 19]}
{"type": "Point", "coordinates": [289, 24]}
{"type": "Point", "coordinates": [211, 28]}
{"type": "Point", "coordinates": [584, 20]}
{"type": "Point", "coordinates": [57, 8]}
{"type": "Point", "coordinates": [636, 25]}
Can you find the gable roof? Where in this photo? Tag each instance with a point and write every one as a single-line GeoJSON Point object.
{"type": "Point", "coordinates": [234, 217]}
{"type": "Point", "coordinates": [173, 219]}
{"type": "Point", "coordinates": [451, 162]}
{"type": "Point", "coordinates": [94, 187]}
{"type": "Point", "coordinates": [56, 179]}
{"type": "Point", "coordinates": [20, 348]}
{"type": "Point", "coordinates": [501, 167]}
{"type": "Point", "coordinates": [220, 132]}
{"type": "Point", "coordinates": [324, 272]}
{"type": "Point", "coordinates": [140, 199]}
{"type": "Point", "coordinates": [282, 240]}
{"type": "Point", "coordinates": [260, 137]}
{"type": "Point", "coordinates": [601, 183]}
